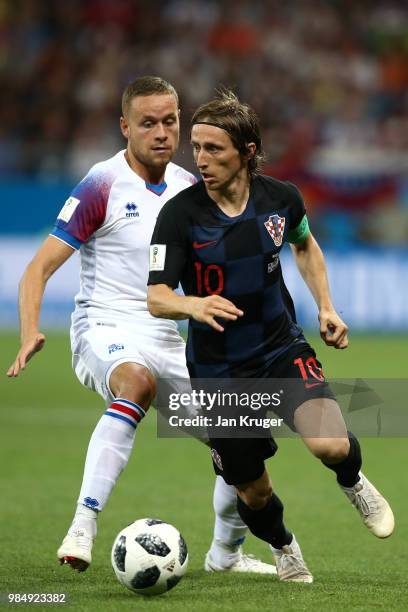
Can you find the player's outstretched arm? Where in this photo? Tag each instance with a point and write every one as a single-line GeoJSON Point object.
{"type": "Point", "coordinates": [310, 262]}
{"type": "Point", "coordinates": [163, 302]}
{"type": "Point", "coordinates": [50, 256]}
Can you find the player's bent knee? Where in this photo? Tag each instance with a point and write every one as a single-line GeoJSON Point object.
{"type": "Point", "coordinates": [330, 450]}
{"type": "Point", "coordinates": [255, 497]}
{"type": "Point", "coordinates": [133, 382]}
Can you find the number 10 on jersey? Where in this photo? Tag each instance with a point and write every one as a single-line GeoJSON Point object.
{"type": "Point", "coordinates": [209, 279]}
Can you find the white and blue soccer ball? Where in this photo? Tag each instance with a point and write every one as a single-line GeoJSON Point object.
{"type": "Point", "coordinates": [149, 556]}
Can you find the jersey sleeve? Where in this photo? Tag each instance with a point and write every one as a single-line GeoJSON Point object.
{"type": "Point", "coordinates": [168, 249]}
{"type": "Point", "coordinates": [299, 225]}
{"type": "Point", "coordinates": [84, 211]}
{"type": "Point", "coordinates": [186, 176]}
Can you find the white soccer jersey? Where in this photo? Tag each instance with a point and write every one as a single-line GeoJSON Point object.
{"type": "Point", "coordinates": [110, 217]}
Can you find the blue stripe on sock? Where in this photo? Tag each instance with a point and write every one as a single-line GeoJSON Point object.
{"type": "Point", "coordinates": [131, 404]}
{"type": "Point", "coordinates": [120, 417]}
{"type": "Point", "coordinates": [141, 412]}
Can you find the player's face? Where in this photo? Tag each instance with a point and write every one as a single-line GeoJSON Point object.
{"type": "Point", "coordinates": [217, 159]}
{"type": "Point", "coordinates": [152, 128]}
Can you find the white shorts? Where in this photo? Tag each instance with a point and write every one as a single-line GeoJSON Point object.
{"type": "Point", "coordinates": [99, 346]}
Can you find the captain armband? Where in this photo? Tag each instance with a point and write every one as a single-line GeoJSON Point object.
{"type": "Point", "coordinates": [300, 233]}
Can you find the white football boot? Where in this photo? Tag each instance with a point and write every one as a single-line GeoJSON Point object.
{"type": "Point", "coordinates": [290, 564]}
{"type": "Point", "coordinates": [76, 549]}
{"type": "Point", "coordinates": [373, 508]}
{"type": "Point", "coordinates": [245, 564]}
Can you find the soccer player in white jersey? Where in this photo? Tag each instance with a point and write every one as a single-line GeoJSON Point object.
{"type": "Point", "coordinates": [119, 349]}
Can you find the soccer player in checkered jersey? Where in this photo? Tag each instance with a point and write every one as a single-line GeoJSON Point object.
{"type": "Point", "coordinates": [119, 349]}
{"type": "Point", "coordinates": [221, 239]}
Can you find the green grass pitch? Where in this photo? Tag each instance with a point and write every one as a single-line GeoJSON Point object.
{"type": "Point", "coordinates": [46, 421]}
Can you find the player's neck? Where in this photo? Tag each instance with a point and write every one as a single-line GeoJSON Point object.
{"type": "Point", "coordinates": [233, 197]}
{"type": "Point", "coordinates": [149, 174]}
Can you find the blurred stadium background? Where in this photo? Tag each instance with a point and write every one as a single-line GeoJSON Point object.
{"type": "Point", "coordinates": [329, 80]}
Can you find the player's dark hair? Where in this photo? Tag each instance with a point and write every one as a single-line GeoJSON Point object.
{"type": "Point", "coordinates": [240, 122]}
{"type": "Point", "coordinates": [146, 86]}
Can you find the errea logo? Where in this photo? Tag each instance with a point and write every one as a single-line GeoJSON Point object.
{"type": "Point", "coordinates": [131, 209]}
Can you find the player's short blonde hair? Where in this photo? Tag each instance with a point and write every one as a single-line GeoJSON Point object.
{"type": "Point", "coordinates": [240, 122]}
{"type": "Point", "coordinates": [146, 86]}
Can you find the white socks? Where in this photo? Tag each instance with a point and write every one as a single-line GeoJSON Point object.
{"type": "Point", "coordinates": [229, 530]}
{"type": "Point", "coordinates": [108, 453]}
{"type": "Point", "coordinates": [85, 518]}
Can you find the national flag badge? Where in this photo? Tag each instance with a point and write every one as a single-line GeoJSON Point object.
{"type": "Point", "coordinates": [275, 227]}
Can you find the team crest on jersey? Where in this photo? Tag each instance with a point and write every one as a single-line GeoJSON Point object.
{"type": "Point", "coordinates": [131, 208]}
{"type": "Point", "coordinates": [275, 227]}
{"type": "Point", "coordinates": [112, 348]}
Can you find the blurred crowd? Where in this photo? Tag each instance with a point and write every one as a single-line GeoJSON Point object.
{"type": "Point", "coordinates": [329, 79]}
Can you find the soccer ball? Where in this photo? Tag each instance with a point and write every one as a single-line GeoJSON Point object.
{"type": "Point", "coordinates": [149, 556]}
